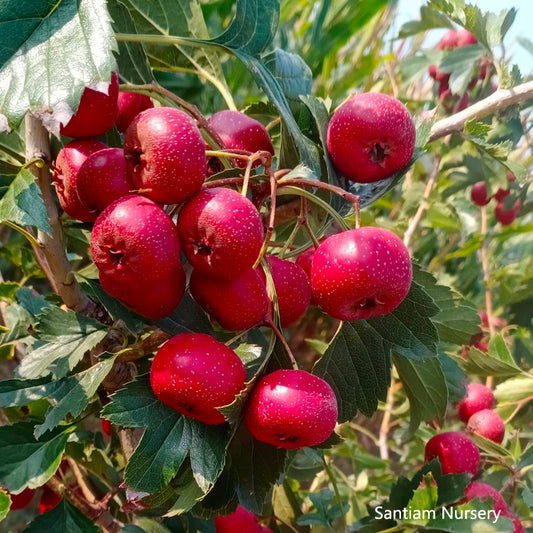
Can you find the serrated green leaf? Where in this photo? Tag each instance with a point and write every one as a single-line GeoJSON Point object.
{"type": "Point", "coordinates": [32, 302]}
{"type": "Point", "coordinates": [189, 494]}
{"type": "Point", "coordinates": [429, 19]}
{"type": "Point", "coordinates": [461, 64]}
{"type": "Point", "coordinates": [292, 72]}
{"type": "Point", "coordinates": [456, 378]}
{"type": "Point", "coordinates": [63, 518]}
{"type": "Point", "coordinates": [491, 448]}
{"type": "Point", "coordinates": [5, 504]}
{"type": "Point", "coordinates": [8, 290]}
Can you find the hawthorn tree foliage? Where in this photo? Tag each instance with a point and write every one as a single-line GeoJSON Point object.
{"type": "Point", "coordinates": [87, 446]}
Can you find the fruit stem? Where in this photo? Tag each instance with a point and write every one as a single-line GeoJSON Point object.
{"type": "Point", "coordinates": [273, 124]}
{"type": "Point", "coordinates": [300, 182]}
{"type": "Point", "coordinates": [272, 215]}
{"type": "Point", "coordinates": [22, 231]}
{"type": "Point", "coordinates": [279, 335]}
{"type": "Point", "coordinates": [246, 178]}
{"type": "Point", "coordinates": [357, 212]}
{"type": "Point", "coordinates": [229, 154]}
{"type": "Point", "coordinates": [225, 182]}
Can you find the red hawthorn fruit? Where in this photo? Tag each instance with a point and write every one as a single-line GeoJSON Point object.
{"type": "Point", "coordinates": [221, 233]}
{"type": "Point", "coordinates": [305, 260]}
{"type": "Point", "coordinates": [241, 521]}
{"type": "Point", "coordinates": [129, 106]}
{"type": "Point", "coordinates": [195, 374]}
{"type": "Point", "coordinates": [106, 427]}
{"type": "Point", "coordinates": [501, 194]}
{"type": "Point", "coordinates": [21, 500]}
{"type": "Point", "coordinates": [479, 195]}
{"type": "Point", "coordinates": [456, 452]}
{"type": "Point", "coordinates": [463, 102]}
{"type": "Point", "coordinates": [464, 38]}
{"type": "Point", "coordinates": [488, 424]}
{"type": "Point", "coordinates": [507, 216]}
{"type": "Point", "coordinates": [478, 397]}
{"type": "Point", "coordinates": [361, 273]}
{"type": "Point", "coordinates": [96, 112]}
{"type": "Point", "coordinates": [497, 321]}
{"type": "Point", "coordinates": [237, 304]}
{"type": "Point", "coordinates": [483, 492]}
{"type": "Point", "coordinates": [370, 137]}
{"type": "Point", "coordinates": [48, 500]}
{"type": "Point", "coordinates": [165, 155]}
{"type": "Point", "coordinates": [518, 527]}
{"type": "Point", "coordinates": [65, 173]}
{"type": "Point", "coordinates": [448, 40]}
{"type": "Point", "coordinates": [291, 409]}
{"type": "Point", "coordinates": [102, 179]}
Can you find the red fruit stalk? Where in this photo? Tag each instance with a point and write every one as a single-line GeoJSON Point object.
{"type": "Point", "coordinates": [456, 452]}
{"type": "Point", "coordinates": [478, 397]}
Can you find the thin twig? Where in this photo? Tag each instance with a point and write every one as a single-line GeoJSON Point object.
{"type": "Point", "coordinates": [385, 423]}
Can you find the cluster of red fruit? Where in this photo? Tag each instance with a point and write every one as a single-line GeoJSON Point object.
{"type": "Point", "coordinates": [47, 500]}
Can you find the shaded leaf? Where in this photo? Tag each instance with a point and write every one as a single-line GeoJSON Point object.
{"type": "Point", "coordinates": [63, 518]}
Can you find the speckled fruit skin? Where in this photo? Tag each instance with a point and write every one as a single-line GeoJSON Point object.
{"type": "Point", "coordinates": [478, 397]}
{"type": "Point", "coordinates": [66, 168]}
{"type": "Point", "coordinates": [102, 179]}
{"type": "Point", "coordinates": [361, 273]}
{"type": "Point", "coordinates": [483, 492]}
{"type": "Point", "coordinates": [195, 374]}
{"type": "Point", "coordinates": [129, 106]}
{"type": "Point", "coordinates": [507, 216]}
{"type": "Point", "coordinates": [518, 527]}
{"type": "Point", "coordinates": [96, 113]}
{"type": "Point", "coordinates": [370, 137]}
{"type": "Point", "coordinates": [165, 155]}
{"type": "Point", "coordinates": [305, 261]}
{"type": "Point", "coordinates": [241, 521]}
{"type": "Point", "coordinates": [21, 500]}
{"type": "Point", "coordinates": [293, 290]}
{"type": "Point", "coordinates": [479, 194]}
{"type": "Point", "coordinates": [488, 424]}
{"type": "Point", "coordinates": [48, 500]}
{"type": "Point", "coordinates": [291, 409]}
{"type": "Point", "coordinates": [235, 304]}
{"type": "Point", "coordinates": [241, 132]}
{"type": "Point", "coordinates": [221, 233]}
{"type": "Point", "coordinates": [136, 247]}
{"type": "Point", "coordinates": [456, 452]}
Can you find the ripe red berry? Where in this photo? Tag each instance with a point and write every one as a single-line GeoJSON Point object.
{"type": "Point", "coordinates": [102, 179]}
{"type": "Point", "coordinates": [448, 40]}
{"type": "Point", "coordinates": [479, 194]}
{"type": "Point", "coordinates": [293, 290]}
{"type": "Point", "coordinates": [464, 38]}
{"type": "Point", "coordinates": [195, 374]}
{"type": "Point", "coordinates": [96, 112]}
{"type": "Point", "coordinates": [305, 260]}
{"type": "Point", "coordinates": [291, 409]}
{"type": "Point", "coordinates": [235, 304]}
{"type": "Point", "coordinates": [518, 527]}
{"type": "Point", "coordinates": [48, 500]}
{"type": "Point", "coordinates": [106, 427]}
{"type": "Point", "coordinates": [165, 155]}
{"type": "Point", "coordinates": [507, 216]}
{"type": "Point", "coordinates": [361, 273]}
{"type": "Point", "coordinates": [136, 247]}
{"type": "Point", "coordinates": [370, 137]}
{"type": "Point", "coordinates": [21, 500]}
{"type": "Point", "coordinates": [65, 176]}
{"type": "Point", "coordinates": [221, 233]}
{"type": "Point", "coordinates": [478, 397]}
{"type": "Point", "coordinates": [488, 424]}
{"type": "Point", "coordinates": [241, 521]}
{"type": "Point", "coordinates": [456, 452]}
{"type": "Point", "coordinates": [129, 106]}
{"type": "Point", "coordinates": [501, 194]}
{"type": "Point", "coordinates": [241, 132]}
{"type": "Point", "coordinates": [483, 492]}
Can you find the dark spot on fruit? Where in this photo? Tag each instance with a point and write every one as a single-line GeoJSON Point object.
{"type": "Point", "coordinates": [135, 158]}
{"type": "Point", "coordinates": [366, 303]}
{"type": "Point", "coordinates": [115, 256]}
{"type": "Point", "coordinates": [202, 248]}
{"type": "Point", "coordinates": [378, 152]}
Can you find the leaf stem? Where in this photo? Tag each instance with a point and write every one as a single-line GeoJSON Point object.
{"type": "Point", "coordinates": [333, 481]}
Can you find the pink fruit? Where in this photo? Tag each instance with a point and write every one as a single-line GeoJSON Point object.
{"type": "Point", "coordinates": [479, 195]}
{"type": "Point", "coordinates": [456, 452]}
{"type": "Point", "coordinates": [293, 290]}
{"type": "Point", "coordinates": [483, 492]}
{"type": "Point", "coordinates": [464, 38]}
{"type": "Point", "coordinates": [241, 521]}
{"type": "Point", "coordinates": [518, 527]}
{"type": "Point", "coordinates": [96, 112]}
{"type": "Point", "coordinates": [66, 169]}
{"type": "Point", "coordinates": [370, 137]}
{"type": "Point", "coordinates": [165, 155]}
{"type": "Point", "coordinates": [305, 260]}
{"type": "Point", "coordinates": [221, 233]}
{"type": "Point", "coordinates": [48, 500]}
{"type": "Point", "coordinates": [235, 304]}
{"type": "Point", "coordinates": [448, 40]}
{"type": "Point", "coordinates": [21, 500]}
{"type": "Point", "coordinates": [102, 179]}
{"type": "Point", "coordinates": [488, 424]}
{"type": "Point", "coordinates": [501, 194]}
{"type": "Point", "coordinates": [129, 106]}
{"type": "Point", "coordinates": [507, 216]}
{"type": "Point", "coordinates": [478, 397]}
{"type": "Point", "coordinates": [195, 374]}
{"type": "Point", "coordinates": [361, 273]}
{"type": "Point", "coordinates": [291, 409]}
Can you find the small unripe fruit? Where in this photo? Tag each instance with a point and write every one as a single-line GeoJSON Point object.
{"type": "Point", "coordinates": [195, 374]}
{"type": "Point", "coordinates": [456, 452]}
{"type": "Point", "coordinates": [479, 194]}
{"type": "Point", "coordinates": [102, 179]}
{"type": "Point", "coordinates": [235, 304]}
{"type": "Point", "coordinates": [370, 137]}
{"type": "Point", "coordinates": [165, 155]}
{"type": "Point", "coordinates": [291, 409]}
{"type": "Point", "coordinates": [129, 106]}
{"type": "Point", "coordinates": [48, 500]}
{"type": "Point", "coordinates": [21, 500]}
{"type": "Point", "coordinates": [221, 233]}
{"type": "Point", "coordinates": [507, 216]}
{"type": "Point", "coordinates": [361, 273]}
{"type": "Point", "coordinates": [478, 397]}
{"type": "Point", "coordinates": [241, 521]}
{"type": "Point", "coordinates": [483, 492]}
{"type": "Point", "coordinates": [488, 424]}
{"type": "Point", "coordinates": [66, 169]}
{"type": "Point", "coordinates": [96, 112]}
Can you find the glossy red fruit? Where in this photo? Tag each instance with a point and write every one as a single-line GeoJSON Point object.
{"type": "Point", "coordinates": [241, 132]}
{"type": "Point", "coordinates": [136, 247]}
{"type": "Point", "coordinates": [21, 500]}
{"type": "Point", "coordinates": [241, 521]}
{"type": "Point", "coordinates": [165, 155]}
{"type": "Point", "coordinates": [305, 261]}
{"type": "Point", "coordinates": [48, 500]}
{"type": "Point", "coordinates": [361, 273]}
{"type": "Point", "coordinates": [507, 216]}
{"type": "Point", "coordinates": [293, 290]}
{"type": "Point", "coordinates": [96, 113]}
{"type": "Point", "coordinates": [102, 179]}
{"type": "Point", "coordinates": [488, 424]}
{"type": "Point", "coordinates": [370, 137]}
{"type": "Point", "coordinates": [478, 397]}
{"type": "Point", "coordinates": [291, 409]}
{"type": "Point", "coordinates": [195, 374]}
{"type": "Point", "coordinates": [65, 173]}
{"type": "Point", "coordinates": [456, 452]}
{"type": "Point", "coordinates": [235, 304]}
{"type": "Point", "coordinates": [484, 492]}
{"type": "Point", "coordinates": [106, 427]}
{"type": "Point", "coordinates": [518, 527]}
{"type": "Point", "coordinates": [129, 106]}
{"type": "Point", "coordinates": [221, 233]}
{"type": "Point", "coordinates": [479, 194]}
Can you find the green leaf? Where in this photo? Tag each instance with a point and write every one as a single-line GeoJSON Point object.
{"type": "Point", "coordinates": [514, 390]}
{"type": "Point", "coordinates": [63, 518]}
{"type": "Point", "coordinates": [461, 64]}
{"type": "Point", "coordinates": [5, 504]}
{"type": "Point", "coordinates": [429, 18]}
{"type": "Point", "coordinates": [189, 494]}
{"type": "Point", "coordinates": [26, 461]}
{"type": "Point", "coordinates": [489, 28]}
{"type": "Point", "coordinates": [456, 378]}
{"type": "Point", "coordinates": [291, 71]}
{"type": "Point", "coordinates": [63, 339]}
{"type": "Point", "coordinates": [22, 203]}
{"type": "Point", "coordinates": [49, 53]}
